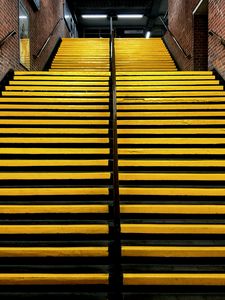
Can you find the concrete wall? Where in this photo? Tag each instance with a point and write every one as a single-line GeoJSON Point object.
{"type": "Point", "coordinates": [41, 24]}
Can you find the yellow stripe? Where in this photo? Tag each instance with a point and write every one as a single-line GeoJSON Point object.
{"type": "Point", "coordinates": [57, 94]}
{"type": "Point", "coordinates": [63, 83]}
{"type": "Point", "coordinates": [51, 162]}
{"type": "Point", "coordinates": [51, 140]}
{"type": "Point", "coordinates": [167, 176]}
{"type": "Point", "coordinates": [170, 163]}
{"type": "Point", "coordinates": [54, 229]}
{"type": "Point", "coordinates": [157, 251]}
{"type": "Point", "coordinates": [53, 175]}
{"type": "Point", "coordinates": [53, 100]}
{"type": "Point", "coordinates": [48, 151]}
{"type": "Point", "coordinates": [53, 191]}
{"type": "Point", "coordinates": [170, 151]}
{"type": "Point", "coordinates": [55, 88]}
{"type": "Point", "coordinates": [173, 228]}
{"type": "Point", "coordinates": [174, 279]}
{"type": "Point", "coordinates": [185, 131]}
{"type": "Point", "coordinates": [82, 131]}
{"type": "Point", "coordinates": [165, 122]}
{"type": "Point", "coordinates": [52, 122]}
{"type": "Point", "coordinates": [52, 279]}
{"type": "Point", "coordinates": [168, 141]}
{"type": "Point", "coordinates": [172, 107]}
{"type": "Point", "coordinates": [171, 114]}
{"type": "Point", "coordinates": [54, 209]}
{"type": "Point", "coordinates": [54, 252]}
{"type": "Point", "coordinates": [172, 209]}
{"type": "Point", "coordinates": [172, 191]}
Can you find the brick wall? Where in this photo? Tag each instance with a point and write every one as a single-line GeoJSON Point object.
{"type": "Point", "coordinates": [41, 25]}
{"type": "Point", "coordinates": [189, 33]}
{"type": "Point", "coordinates": [217, 24]}
{"type": "Point", "coordinates": [181, 25]}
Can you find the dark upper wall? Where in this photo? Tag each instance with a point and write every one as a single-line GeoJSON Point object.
{"type": "Point", "coordinates": [41, 25]}
{"type": "Point", "coordinates": [181, 24]}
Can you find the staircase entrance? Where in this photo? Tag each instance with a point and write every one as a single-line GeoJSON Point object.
{"type": "Point", "coordinates": [112, 176]}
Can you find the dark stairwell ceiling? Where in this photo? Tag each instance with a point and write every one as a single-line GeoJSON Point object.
{"type": "Point", "coordinates": [151, 9]}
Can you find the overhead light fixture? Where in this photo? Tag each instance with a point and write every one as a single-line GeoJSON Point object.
{"type": "Point", "coordinates": [148, 34]}
{"type": "Point", "coordinates": [94, 16]}
{"type": "Point", "coordinates": [137, 16]}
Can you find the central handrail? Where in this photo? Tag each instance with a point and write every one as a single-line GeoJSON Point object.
{"type": "Point", "coordinates": [116, 278]}
{"type": "Point", "coordinates": [175, 40]}
{"type": "Point", "coordinates": [11, 33]}
{"type": "Point", "coordinates": [35, 56]}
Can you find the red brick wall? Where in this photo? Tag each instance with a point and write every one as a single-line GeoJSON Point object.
{"type": "Point", "coordinates": [181, 25]}
{"type": "Point", "coordinates": [188, 30]}
{"type": "Point", "coordinates": [217, 24]}
{"type": "Point", "coordinates": [41, 25]}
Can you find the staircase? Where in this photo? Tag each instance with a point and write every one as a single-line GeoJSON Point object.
{"type": "Point", "coordinates": [56, 192]}
{"type": "Point", "coordinates": [56, 177]}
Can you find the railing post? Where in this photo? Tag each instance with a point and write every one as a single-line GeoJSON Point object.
{"type": "Point", "coordinates": [116, 274]}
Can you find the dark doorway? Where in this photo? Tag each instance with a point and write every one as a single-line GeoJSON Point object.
{"type": "Point", "coordinates": [200, 21]}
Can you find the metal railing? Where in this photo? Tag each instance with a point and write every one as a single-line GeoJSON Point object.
{"type": "Point", "coordinates": [116, 275]}
{"type": "Point", "coordinates": [222, 40]}
{"type": "Point", "coordinates": [47, 40]}
{"type": "Point", "coordinates": [10, 34]}
{"type": "Point", "coordinates": [188, 56]}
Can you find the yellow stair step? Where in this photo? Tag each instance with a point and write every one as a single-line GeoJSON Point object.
{"type": "Point", "coordinates": [170, 251]}
{"type": "Point", "coordinates": [167, 94]}
{"type": "Point", "coordinates": [81, 131]}
{"type": "Point", "coordinates": [150, 78]}
{"type": "Point", "coordinates": [171, 100]}
{"type": "Point", "coordinates": [63, 83]}
{"type": "Point", "coordinates": [53, 251]}
{"type": "Point", "coordinates": [50, 140]}
{"type": "Point", "coordinates": [50, 122]}
{"type": "Point", "coordinates": [171, 114]}
{"type": "Point", "coordinates": [171, 151]}
{"type": "Point", "coordinates": [53, 279]}
{"type": "Point", "coordinates": [53, 151]}
{"type": "Point", "coordinates": [53, 94]}
{"type": "Point", "coordinates": [175, 131]}
{"type": "Point", "coordinates": [53, 191]}
{"type": "Point", "coordinates": [66, 107]}
{"type": "Point", "coordinates": [56, 88]}
{"type": "Point", "coordinates": [199, 192]}
{"type": "Point", "coordinates": [168, 122]}
{"type": "Point", "coordinates": [178, 176]}
{"type": "Point", "coordinates": [54, 209]}
{"type": "Point", "coordinates": [53, 175]}
{"type": "Point", "coordinates": [168, 141]}
{"type": "Point", "coordinates": [78, 73]}
{"type": "Point", "coordinates": [165, 83]}
{"type": "Point", "coordinates": [52, 162]}
{"type": "Point", "coordinates": [55, 229]}
{"type": "Point", "coordinates": [175, 107]}
{"type": "Point", "coordinates": [175, 279]}
{"type": "Point", "coordinates": [54, 114]}
{"type": "Point", "coordinates": [171, 163]}
{"type": "Point", "coordinates": [173, 228]}
{"type": "Point", "coordinates": [172, 209]}
{"type": "Point", "coordinates": [52, 100]}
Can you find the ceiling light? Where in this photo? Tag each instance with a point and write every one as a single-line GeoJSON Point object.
{"type": "Point", "coordinates": [94, 16]}
{"type": "Point", "coordinates": [148, 34]}
{"type": "Point", "coordinates": [130, 16]}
